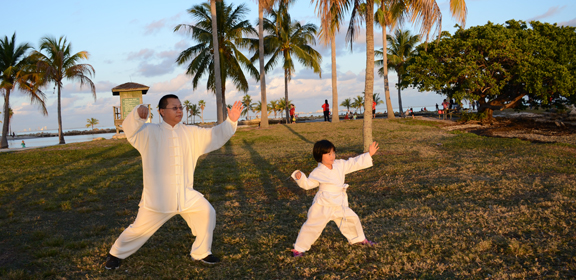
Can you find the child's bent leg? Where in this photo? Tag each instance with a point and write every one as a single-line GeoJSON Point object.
{"type": "Point", "coordinates": [350, 226]}
{"type": "Point", "coordinates": [134, 236]}
{"type": "Point", "coordinates": [202, 220]}
{"type": "Point", "coordinates": [318, 217]}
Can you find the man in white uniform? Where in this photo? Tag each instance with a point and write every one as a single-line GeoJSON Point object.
{"type": "Point", "coordinates": [169, 153]}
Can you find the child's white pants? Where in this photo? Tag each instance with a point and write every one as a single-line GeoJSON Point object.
{"type": "Point", "coordinates": [201, 218]}
{"type": "Point", "coordinates": [319, 216]}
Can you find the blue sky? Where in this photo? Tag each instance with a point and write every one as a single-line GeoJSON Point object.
{"type": "Point", "coordinates": [134, 41]}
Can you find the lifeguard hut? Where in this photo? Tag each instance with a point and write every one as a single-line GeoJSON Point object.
{"type": "Point", "coordinates": [130, 97]}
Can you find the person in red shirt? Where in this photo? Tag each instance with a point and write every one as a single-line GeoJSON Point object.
{"type": "Point", "coordinates": [373, 109]}
{"type": "Point", "coordinates": [292, 113]}
{"type": "Point", "coordinates": [326, 108]}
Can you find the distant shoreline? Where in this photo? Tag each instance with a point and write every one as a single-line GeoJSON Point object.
{"type": "Point", "coordinates": [66, 133]}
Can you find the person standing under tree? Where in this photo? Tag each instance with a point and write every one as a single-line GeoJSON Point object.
{"type": "Point", "coordinates": [292, 113]}
{"type": "Point", "coordinates": [326, 108]}
{"type": "Point", "coordinates": [170, 151]}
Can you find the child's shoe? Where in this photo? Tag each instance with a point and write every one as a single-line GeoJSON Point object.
{"type": "Point", "coordinates": [367, 242]}
{"type": "Point", "coordinates": [296, 254]}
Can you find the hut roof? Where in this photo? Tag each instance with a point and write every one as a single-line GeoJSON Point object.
{"type": "Point", "coordinates": [129, 87]}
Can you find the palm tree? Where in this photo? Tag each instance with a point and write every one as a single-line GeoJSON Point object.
{"type": "Point", "coordinates": [358, 103]}
{"type": "Point", "coordinates": [402, 48]}
{"type": "Point", "coordinates": [17, 71]}
{"type": "Point", "coordinates": [202, 105]}
{"type": "Point", "coordinates": [230, 39]}
{"type": "Point", "coordinates": [187, 107]}
{"type": "Point", "coordinates": [92, 122]}
{"type": "Point", "coordinates": [282, 104]}
{"type": "Point", "coordinates": [59, 63]}
{"type": "Point", "coordinates": [346, 103]}
{"type": "Point", "coordinates": [288, 38]}
{"type": "Point", "coordinates": [377, 98]}
{"type": "Point", "coordinates": [247, 103]}
{"type": "Point", "coordinates": [424, 12]}
{"type": "Point", "coordinates": [220, 93]}
{"type": "Point", "coordinates": [194, 111]}
{"type": "Point", "coordinates": [274, 106]}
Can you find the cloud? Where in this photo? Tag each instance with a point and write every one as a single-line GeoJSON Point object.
{"type": "Point", "coordinates": [154, 27]}
{"type": "Point", "coordinates": [141, 54]}
{"type": "Point", "coordinates": [307, 73]}
{"type": "Point", "coordinates": [551, 11]}
{"type": "Point", "coordinates": [571, 22]}
{"type": "Point", "coordinates": [154, 63]}
{"type": "Point", "coordinates": [175, 84]}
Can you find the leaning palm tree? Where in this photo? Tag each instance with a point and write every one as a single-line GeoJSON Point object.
{"type": "Point", "coordinates": [92, 122]}
{"type": "Point", "coordinates": [18, 71]}
{"type": "Point", "coordinates": [202, 105]}
{"type": "Point", "coordinates": [286, 39]}
{"type": "Point", "coordinates": [186, 104]}
{"type": "Point", "coordinates": [232, 27]}
{"type": "Point", "coordinates": [358, 103]}
{"type": "Point", "coordinates": [57, 62]}
{"type": "Point", "coordinates": [402, 48]}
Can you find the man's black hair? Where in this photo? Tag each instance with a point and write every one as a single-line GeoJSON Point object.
{"type": "Point", "coordinates": [164, 101]}
{"type": "Point", "coordinates": [322, 147]}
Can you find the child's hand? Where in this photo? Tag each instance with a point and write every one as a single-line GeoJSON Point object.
{"type": "Point", "coordinates": [373, 148]}
{"type": "Point", "coordinates": [298, 175]}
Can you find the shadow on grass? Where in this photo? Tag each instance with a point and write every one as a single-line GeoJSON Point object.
{"type": "Point", "coordinates": [298, 134]}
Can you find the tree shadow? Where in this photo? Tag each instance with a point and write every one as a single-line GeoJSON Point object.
{"type": "Point", "coordinates": [298, 134]}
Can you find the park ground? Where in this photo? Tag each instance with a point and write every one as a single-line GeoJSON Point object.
{"type": "Point", "coordinates": [440, 203]}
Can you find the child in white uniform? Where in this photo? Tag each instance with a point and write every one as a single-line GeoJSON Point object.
{"type": "Point", "coordinates": [331, 201]}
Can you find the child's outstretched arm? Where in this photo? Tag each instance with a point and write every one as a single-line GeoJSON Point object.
{"type": "Point", "coordinates": [373, 148]}
{"type": "Point", "coordinates": [362, 161]}
{"type": "Point", "coordinates": [303, 181]}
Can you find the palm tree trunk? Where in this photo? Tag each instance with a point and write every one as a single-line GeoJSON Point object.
{"type": "Point", "coordinates": [202, 115]}
{"type": "Point", "coordinates": [60, 134]}
{"type": "Point", "coordinates": [286, 96]}
{"type": "Point", "coordinates": [4, 140]}
{"type": "Point", "coordinates": [335, 115]}
{"type": "Point", "coordinates": [224, 107]}
{"type": "Point", "coordinates": [389, 107]}
{"type": "Point", "coordinates": [400, 99]}
{"type": "Point", "coordinates": [264, 109]}
{"type": "Point", "coordinates": [369, 84]}
{"type": "Point", "coordinates": [217, 77]}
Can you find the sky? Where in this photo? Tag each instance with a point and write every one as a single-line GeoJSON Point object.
{"type": "Point", "coordinates": [133, 41]}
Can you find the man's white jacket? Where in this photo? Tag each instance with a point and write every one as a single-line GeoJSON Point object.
{"type": "Point", "coordinates": [169, 156]}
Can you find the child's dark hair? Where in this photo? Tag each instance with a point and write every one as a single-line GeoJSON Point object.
{"type": "Point", "coordinates": [322, 147]}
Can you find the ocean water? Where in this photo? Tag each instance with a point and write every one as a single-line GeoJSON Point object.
{"type": "Point", "coordinates": [49, 141]}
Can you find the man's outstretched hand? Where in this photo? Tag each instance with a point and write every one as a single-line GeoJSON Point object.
{"type": "Point", "coordinates": [373, 148]}
{"type": "Point", "coordinates": [235, 112]}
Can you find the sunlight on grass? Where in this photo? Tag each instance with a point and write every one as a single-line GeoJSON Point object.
{"type": "Point", "coordinates": [440, 206]}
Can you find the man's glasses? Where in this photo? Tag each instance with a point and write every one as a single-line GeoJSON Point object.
{"type": "Point", "coordinates": [175, 109]}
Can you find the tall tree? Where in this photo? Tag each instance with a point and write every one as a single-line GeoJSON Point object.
{"type": "Point", "coordinates": [232, 28]}
{"type": "Point", "coordinates": [346, 103]}
{"type": "Point", "coordinates": [202, 105]}
{"type": "Point", "coordinates": [217, 74]}
{"type": "Point", "coordinates": [248, 105]}
{"type": "Point", "coordinates": [402, 48]}
{"type": "Point", "coordinates": [274, 106]}
{"type": "Point", "coordinates": [186, 104]}
{"type": "Point", "coordinates": [57, 63]}
{"type": "Point", "coordinates": [194, 111]}
{"type": "Point", "coordinates": [17, 71]}
{"type": "Point", "coordinates": [286, 39]}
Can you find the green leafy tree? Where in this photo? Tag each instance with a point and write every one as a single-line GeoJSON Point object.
{"type": "Point", "coordinates": [231, 30]}
{"type": "Point", "coordinates": [258, 109]}
{"type": "Point", "coordinates": [288, 39]}
{"type": "Point", "coordinates": [202, 105]}
{"type": "Point", "coordinates": [402, 48]}
{"type": "Point", "coordinates": [500, 66]}
{"type": "Point", "coordinates": [57, 63]}
{"type": "Point", "coordinates": [18, 71]}
{"type": "Point", "coordinates": [282, 104]}
{"type": "Point", "coordinates": [92, 122]}
{"type": "Point", "coordinates": [358, 103]}
{"type": "Point", "coordinates": [274, 107]}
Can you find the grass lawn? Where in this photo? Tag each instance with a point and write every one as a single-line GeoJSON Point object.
{"type": "Point", "coordinates": [440, 205]}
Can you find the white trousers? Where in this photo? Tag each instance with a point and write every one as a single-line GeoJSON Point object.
{"type": "Point", "coordinates": [318, 216]}
{"type": "Point", "coordinates": [201, 218]}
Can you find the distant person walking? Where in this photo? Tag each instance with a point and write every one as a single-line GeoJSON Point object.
{"type": "Point", "coordinates": [292, 113]}
{"type": "Point", "coordinates": [437, 107]}
{"type": "Point", "coordinates": [373, 109]}
{"type": "Point", "coordinates": [326, 108]}
{"type": "Point", "coordinates": [23, 144]}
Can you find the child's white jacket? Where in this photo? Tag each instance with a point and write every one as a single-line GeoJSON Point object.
{"type": "Point", "coordinates": [169, 156]}
{"type": "Point", "coordinates": [332, 190]}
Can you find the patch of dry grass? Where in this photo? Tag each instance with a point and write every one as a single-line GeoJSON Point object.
{"type": "Point", "coordinates": [441, 205]}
